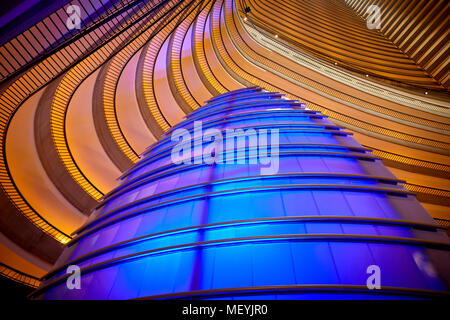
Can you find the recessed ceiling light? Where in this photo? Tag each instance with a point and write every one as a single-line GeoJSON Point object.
{"type": "Point", "coordinates": [276, 36]}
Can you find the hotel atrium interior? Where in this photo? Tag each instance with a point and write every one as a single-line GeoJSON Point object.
{"type": "Point", "coordinates": [92, 93]}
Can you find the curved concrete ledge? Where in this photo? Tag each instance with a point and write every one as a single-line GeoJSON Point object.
{"type": "Point", "coordinates": [195, 85]}
{"type": "Point", "coordinates": [172, 58]}
{"type": "Point", "coordinates": [82, 139]}
{"type": "Point", "coordinates": [101, 127]}
{"type": "Point", "coordinates": [55, 170]}
{"type": "Point", "coordinates": [226, 79]}
{"type": "Point", "coordinates": [129, 117]}
{"type": "Point", "coordinates": [30, 176]}
{"type": "Point", "coordinates": [385, 91]}
{"type": "Point", "coordinates": [17, 228]}
{"type": "Point", "coordinates": [150, 121]}
{"type": "Point", "coordinates": [199, 56]}
{"type": "Point", "coordinates": [172, 111]}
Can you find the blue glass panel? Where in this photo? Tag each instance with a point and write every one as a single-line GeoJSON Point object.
{"type": "Point", "coordinates": [336, 204]}
{"type": "Point", "coordinates": [233, 267]}
{"type": "Point", "coordinates": [299, 203]}
{"type": "Point", "coordinates": [352, 261]}
{"type": "Point", "coordinates": [101, 283]}
{"type": "Point", "coordinates": [272, 264]}
{"type": "Point", "coordinates": [160, 274]}
{"type": "Point", "coordinates": [313, 263]}
{"type": "Point", "coordinates": [398, 268]}
{"type": "Point", "coordinates": [128, 280]}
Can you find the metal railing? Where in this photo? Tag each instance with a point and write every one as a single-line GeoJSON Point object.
{"type": "Point", "coordinates": [19, 276]}
{"type": "Point", "coordinates": [98, 22]}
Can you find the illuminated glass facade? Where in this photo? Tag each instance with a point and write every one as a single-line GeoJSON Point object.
{"type": "Point", "coordinates": [310, 230]}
